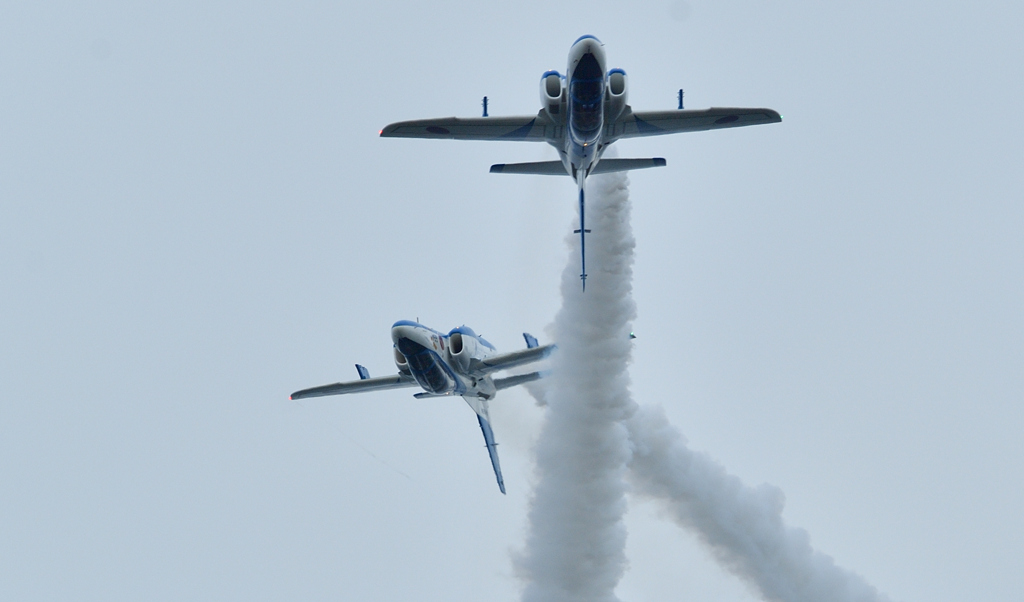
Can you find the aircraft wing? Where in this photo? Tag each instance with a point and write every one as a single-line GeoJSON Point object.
{"type": "Point", "coordinates": [512, 359]}
{"type": "Point", "coordinates": [529, 127]}
{"type": "Point", "coordinates": [397, 381]}
{"type": "Point", "coordinates": [656, 123]}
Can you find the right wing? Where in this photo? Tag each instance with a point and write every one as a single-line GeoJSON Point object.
{"type": "Point", "coordinates": [529, 127]}
{"type": "Point", "coordinates": [655, 123]}
{"type": "Point", "coordinates": [503, 361]}
{"type": "Point", "coordinates": [397, 381]}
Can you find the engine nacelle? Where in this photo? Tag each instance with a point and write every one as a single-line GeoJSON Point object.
{"type": "Point", "coordinates": [615, 95]}
{"type": "Point", "coordinates": [552, 94]}
{"type": "Point", "coordinates": [462, 349]}
{"type": "Point", "coordinates": [402, 363]}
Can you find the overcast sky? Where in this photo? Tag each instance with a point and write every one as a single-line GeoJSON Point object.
{"type": "Point", "coordinates": [197, 217]}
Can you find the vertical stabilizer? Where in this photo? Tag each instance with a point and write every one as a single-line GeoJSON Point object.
{"type": "Point", "coordinates": [492, 449]}
{"type": "Point", "coordinates": [583, 240]}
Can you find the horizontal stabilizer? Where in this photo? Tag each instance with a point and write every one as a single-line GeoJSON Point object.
{"type": "Point", "coordinates": [519, 379]}
{"type": "Point", "coordinates": [541, 168]}
{"type": "Point", "coordinates": [613, 165]}
{"type": "Point", "coordinates": [504, 361]}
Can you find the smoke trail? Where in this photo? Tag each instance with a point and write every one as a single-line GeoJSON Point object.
{"type": "Point", "coordinates": [575, 549]}
{"type": "Point", "coordinates": [594, 437]}
{"type": "Point", "coordinates": [741, 525]}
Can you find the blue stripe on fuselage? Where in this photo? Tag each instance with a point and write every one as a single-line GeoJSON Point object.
{"type": "Point", "coordinates": [429, 370]}
{"type": "Point", "coordinates": [586, 37]}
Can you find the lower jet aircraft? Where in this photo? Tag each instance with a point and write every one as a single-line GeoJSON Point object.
{"type": "Point", "coordinates": [458, 363]}
{"type": "Point", "coordinates": [581, 113]}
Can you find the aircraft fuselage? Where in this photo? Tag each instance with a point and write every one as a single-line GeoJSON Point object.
{"type": "Point", "coordinates": [444, 364]}
{"type": "Point", "coordinates": [582, 145]}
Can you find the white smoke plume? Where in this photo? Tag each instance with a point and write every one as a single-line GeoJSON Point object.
{"type": "Point", "coordinates": [595, 443]}
{"type": "Point", "coordinates": [575, 548]}
{"type": "Point", "coordinates": [741, 525]}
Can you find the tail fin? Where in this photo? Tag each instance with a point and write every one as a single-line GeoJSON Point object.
{"type": "Point", "coordinates": [492, 450]}
{"type": "Point", "coordinates": [583, 241]}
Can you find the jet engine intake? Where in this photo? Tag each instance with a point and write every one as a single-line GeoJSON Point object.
{"type": "Point", "coordinates": [402, 363]}
{"type": "Point", "coordinates": [552, 94]}
{"type": "Point", "coordinates": [461, 349]}
{"type": "Point", "coordinates": [615, 96]}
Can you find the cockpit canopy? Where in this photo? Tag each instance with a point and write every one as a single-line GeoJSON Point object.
{"type": "Point", "coordinates": [585, 94]}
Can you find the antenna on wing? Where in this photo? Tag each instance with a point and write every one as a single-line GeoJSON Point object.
{"type": "Point", "coordinates": [485, 106]}
{"type": "Point", "coordinates": [680, 99]}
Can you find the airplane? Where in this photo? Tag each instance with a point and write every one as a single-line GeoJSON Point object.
{"type": "Point", "coordinates": [581, 113]}
{"type": "Point", "coordinates": [458, 363]}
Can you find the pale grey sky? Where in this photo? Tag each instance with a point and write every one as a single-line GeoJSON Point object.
{"type": "Point", "coordinates": [197, 218]}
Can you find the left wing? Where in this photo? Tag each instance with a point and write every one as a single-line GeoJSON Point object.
{"type": "Point", "coordinates": [655, 123]}
{"type": "Point", "coordinates": [397, 381]}
{"type": "Point", "coordinates": [512, 359]}
{"type": "Point", "coordinates": [529, 127]}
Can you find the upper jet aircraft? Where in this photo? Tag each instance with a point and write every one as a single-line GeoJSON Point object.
{"type": "Point", "coordinates": [581, 114]}
{"type": "Point", "coordinates": [459, 363]}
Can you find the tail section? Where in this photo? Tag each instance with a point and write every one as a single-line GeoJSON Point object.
{"type": "Point", "coordinates": [540, 168]}
{"type": "Point", "coordinates": [519, 379]}
{"type": "Point", "coordinates": [492, 449]}
{"type": "Point", "coordinates": [613, 165]}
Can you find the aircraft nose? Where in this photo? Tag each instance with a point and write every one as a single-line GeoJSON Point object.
{"type": "Point", "coordinates": [399, 332]}
{"type": "Point", "coordinates": [588, 40]}
{"type": "Point", "coordinates": [410, 332]}
{"type": "Point", "coordinates": [588, 45]}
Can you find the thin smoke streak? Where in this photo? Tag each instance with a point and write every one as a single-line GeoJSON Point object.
{"type": "Point", "coordinates": [356, 443]}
